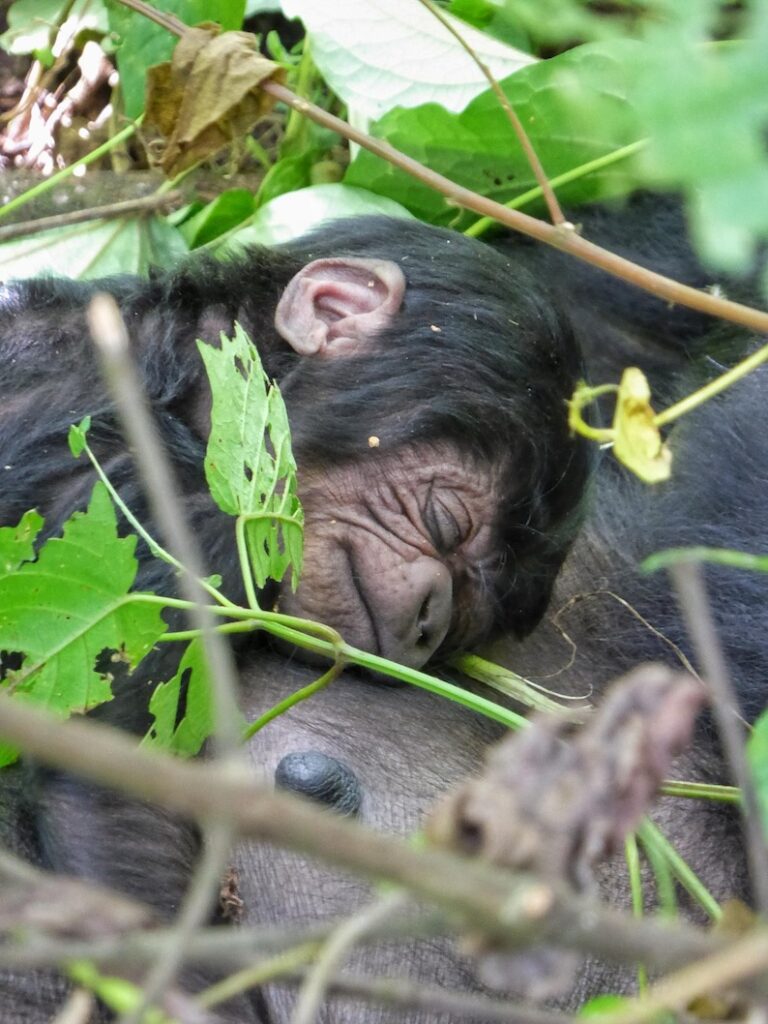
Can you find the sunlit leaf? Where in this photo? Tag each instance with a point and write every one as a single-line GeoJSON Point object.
{"type": "Point", "coordinates": [63, 612]}
{"type": "Point", "coordinates": [249, 464]}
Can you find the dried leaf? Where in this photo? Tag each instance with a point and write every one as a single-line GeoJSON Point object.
{"type": "Point", "coordinates": [556, 802]}
{"type": "Point", "coordinates": [207, 95]}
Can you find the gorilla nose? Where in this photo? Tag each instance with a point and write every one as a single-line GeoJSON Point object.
{"type": "Point", "coordinates": [321, 778]}
{"type": "Point", "coordinates": [420, 615]}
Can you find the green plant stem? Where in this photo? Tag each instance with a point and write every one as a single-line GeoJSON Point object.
{"type": "Point", "coordinates": [484, 224]}
{"type": "Point", "coordinates": [662, 873]}
{"type": "Point", "coordinates": [275, 967]}
{"type": "Point", "coordinates": [703, 791]}
{"type": "Point", "coordinates": [714, 387]}
{"type": "Point", "coordinates": [636, 891]}
{"type": "Point", "coordinates": [719, 556]}
{"type": "Point", "coordinates": [689, 880]}
{"type": "Point", "coordinates": [45, 186]}
{"type": "Point", "coordinates": [296, 125]}
{"type": "Point", "coordinates": [505, 681]}
{"type": "Point", "coordinates": [295, 698]}
{"type": "Point", "coordinates": [155, 548]}
{"type": "Point", "coordinates": [245, 563]}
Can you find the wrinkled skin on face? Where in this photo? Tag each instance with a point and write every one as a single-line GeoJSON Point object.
{"type": "Point", "coordinates": [396, 548]}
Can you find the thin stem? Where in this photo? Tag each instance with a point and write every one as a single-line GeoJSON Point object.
{"type": "Point", "coordinates": [650, 833]}
{"type": "Point", "coordinates": [154, 546]}
{"type": "Point", "coordinates": [555, 213]}
{"type": "Point", "coordinates": [484, 224]}
{"type": "Point", "coordinates": [45, 186]}
{"type": "Point", "coordinates": [554, 235]}
{"type": "Point", "coordinates": [697, 613]}
{"type": "Point", "coordinates": [295, 698]}
{"type": "Point", "coordinates": [702, 791]}
{"type": "Point", "coordinates": [714, 387]}
{"type": "Point", "coordinates": [245, 563]}
{"type": "Point", "coordinates": [636, 891]}
{"type": "Point", "coordinates": [337, 949]}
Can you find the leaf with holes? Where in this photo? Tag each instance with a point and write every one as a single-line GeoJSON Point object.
{"type": "Point", "coordinates": [60, 613]}
{"type": "Point", "coordinates": [249, 463]}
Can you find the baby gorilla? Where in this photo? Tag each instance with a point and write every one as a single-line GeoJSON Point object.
{"type": "Point", "coordinates": [425, 378]}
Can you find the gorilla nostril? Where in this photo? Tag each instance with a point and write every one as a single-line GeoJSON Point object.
{"type": "Point", "coordinates": [320, 778]}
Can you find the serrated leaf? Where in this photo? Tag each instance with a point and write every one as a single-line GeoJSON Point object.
{"type": "Point", "coordinates": [64, 609]}
{"type": "Point", "coordinates": [17, 543]}
{"type": "Point", "coordinates": [573, 107]}
{"type": "Point", "coordinates": [190, 688]}
{"type": "Point", "coordinates": [249, 464]}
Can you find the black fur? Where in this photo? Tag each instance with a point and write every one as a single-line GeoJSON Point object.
{"type": "Point", "coordinates": [494, 378]}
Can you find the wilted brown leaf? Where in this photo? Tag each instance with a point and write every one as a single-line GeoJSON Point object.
{"type": "Point", "coordinates": [207, 95]}
{"type": "Point", "coordinates": [556, 801]}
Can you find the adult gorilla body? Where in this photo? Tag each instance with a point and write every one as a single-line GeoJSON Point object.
{"type": "Point", "coordinates": [465, 392]}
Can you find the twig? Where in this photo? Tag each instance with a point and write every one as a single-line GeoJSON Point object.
{"type": "Point", "coordinates": [741, 960]}
{"type": "Point", "coordinates": [336, 950]}
{"type": "Point", "coordinates": [697, 613]}
{"type": "Point", "coordinates": [511, 907]}
{"type": "Point", "coordinates": [554, 235]}
{"type": "Point", "coordinates": [147, 204]}
{"type": "Point", "coordinates": [111, 338]}
{"type": "Point", "coordinates": [555, 213]}
{"type": "Point", "coordinates": [78, 1008]}
{"type": "Point", "coordinates": [405, 993]}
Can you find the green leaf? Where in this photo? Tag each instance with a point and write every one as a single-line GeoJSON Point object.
{"type": "Point", "coordinates": [17, 543]}
{"type": "Point", "coordinates": [598, 1006]}
{"type": "Point", "coordinates": [76, 436]}
{"type": "Point", "coordinates": [226, 211]}
{"type": "Point", "coordinates": [375, 55]}
{"type": "Point", "coordinates": [249, 464]}
{"type": "Point", "coordinates": [118, 994]}
{"type": "Point", "coordinates": [96, 249]}
{"type": "Point", "coordinates": [294, 213]}
{"type": "Point", "coordinates": [573, 107]}
{"type": "Point", "coordinates": [32, 23]}
{"type": "Point", "coordinates": [143, 43]}
{"type": "Point", "coordinates": [757, 754]}
{"type": "Point", "coordinates": [64, 611]}
{"type": "Point", "coordinates": [190, 688]}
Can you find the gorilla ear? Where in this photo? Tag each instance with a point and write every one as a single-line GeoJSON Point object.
{"type": "Point", "coordinates": [333, 306]}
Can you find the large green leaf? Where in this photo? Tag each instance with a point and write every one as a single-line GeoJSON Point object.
{"type": "Point", "coordinates": [574, 108]}
{"type": "Point", "coordinates": [96, 249]}
{"type": "Point", "coordinates": [294, 213]}
{"type": "Point", "coordinates": [249, 464]}
{"type": "Point", "coordinates": [376, 54]}
{"type": "Point", "coordinates": [70, 617]}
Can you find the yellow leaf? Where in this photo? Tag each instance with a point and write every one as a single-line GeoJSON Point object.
{"type": "Point", "coordinates": [637, 441]}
